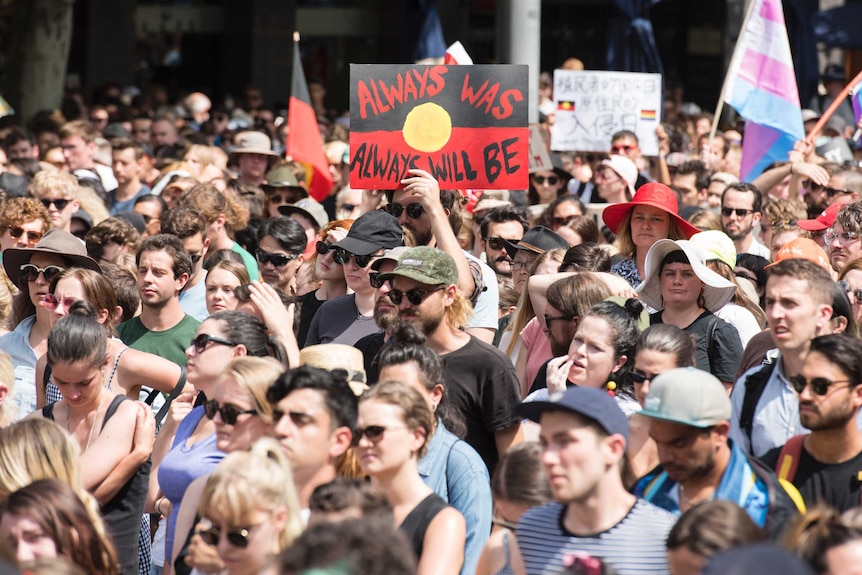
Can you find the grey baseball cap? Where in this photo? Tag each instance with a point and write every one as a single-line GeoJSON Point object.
{"type": "Point", "coordinates": [688, 396]}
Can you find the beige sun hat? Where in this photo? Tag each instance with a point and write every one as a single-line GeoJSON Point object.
{"type": "Point", "coordinates": [337, 356]}
{"type": "Point", "coordinates": [251, 142]}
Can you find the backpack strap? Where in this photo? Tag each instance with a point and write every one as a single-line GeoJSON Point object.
{"type": "Point", "coordinates": [788, 458]}
{"type": "Point", "coordinates": [178, 388]}
{"type": "Point", "coordinates": [710, 336]}
{"type": "Point", "coordinates": [754, 386]}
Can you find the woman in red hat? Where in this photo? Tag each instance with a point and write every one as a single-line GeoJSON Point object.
{"type": "Point", "coordinates": [652, 215]}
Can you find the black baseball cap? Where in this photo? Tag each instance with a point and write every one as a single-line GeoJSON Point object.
{"type": "Point", "coordinates": [372, 231]}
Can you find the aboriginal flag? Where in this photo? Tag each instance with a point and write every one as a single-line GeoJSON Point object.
{"type": "Point", "coordinates": [304, 143]}
{"type": "Point", "coordinates": [465, 125]}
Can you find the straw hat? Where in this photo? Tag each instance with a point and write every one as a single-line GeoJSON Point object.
{"type": "Point", "coordinates": [717, 291]}
{"type": "Point", "coordinates": [333, 356]}
{"type": "Point", "coordinates": [55, 242]}
{"type": "Point", "coordinates": [653, 194]}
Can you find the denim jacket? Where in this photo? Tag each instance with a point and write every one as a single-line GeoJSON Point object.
{"type": "Point", "coordinates": [456, 473]}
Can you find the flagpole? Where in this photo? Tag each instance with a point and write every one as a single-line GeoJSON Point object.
{"type": "Point", "coordinates": [832, 107]}
{"type": "Point", "coordinates": [730, 69]}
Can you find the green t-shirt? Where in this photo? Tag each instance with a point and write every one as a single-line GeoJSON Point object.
{"type": "Point", "coordinates": [248, 259]}
{"type": "Point", "coordinates": [170, 344]}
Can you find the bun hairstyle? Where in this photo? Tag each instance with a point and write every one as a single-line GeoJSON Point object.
{"type": "Point", "coordinates": [407, 344]}
{"type": "Point", "coordinates": [78, 337]}
{"type": "Point", "coordinates": [623, 324]}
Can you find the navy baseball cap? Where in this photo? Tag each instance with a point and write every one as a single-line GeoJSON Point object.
{"type": "Point", "coordinates": [588, 402]}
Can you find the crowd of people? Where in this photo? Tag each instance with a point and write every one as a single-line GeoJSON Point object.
{"type": "Point", "coordinates": [636, 365]}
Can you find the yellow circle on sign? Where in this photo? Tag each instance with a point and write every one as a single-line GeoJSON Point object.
{"type": "Point", "coordinates": [427, 127]}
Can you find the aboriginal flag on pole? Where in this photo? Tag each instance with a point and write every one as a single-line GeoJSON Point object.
{"type": "Point", "coordinates": [303, 136]}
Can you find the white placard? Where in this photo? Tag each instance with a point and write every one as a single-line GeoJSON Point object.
{"type": "Point", "coordinates": [592, 105]}
{"type": "Point", "coordinates": [540, 159]}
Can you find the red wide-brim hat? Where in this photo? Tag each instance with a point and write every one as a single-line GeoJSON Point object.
{"type": "Point", "coordinates": [653, 194]}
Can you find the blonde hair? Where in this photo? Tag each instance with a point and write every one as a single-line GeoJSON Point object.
{"type": "Point", "coordinates": [7, 379]}
{"type": "Point", "coordinates": [249, 481]}
{"type": "Point", "coordinates": [54, 185]}
{"type": "Point", "coordinates": [626, 246]}
{"type": "Point", "coordinates": [38, 448]}
{"type": "Point", "coordinates": [525, 312]}
{"type": "Point", "coordinates": [255, 375]}
{"type": "Point", "coordinates": [212, 203]}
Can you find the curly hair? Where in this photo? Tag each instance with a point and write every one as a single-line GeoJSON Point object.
{"type": "Point", "coordinates": [212, 203]}
{"type": "Point", "coordinates": [19, 211]}
{"type": "Point", "coordinates": [112, 230]}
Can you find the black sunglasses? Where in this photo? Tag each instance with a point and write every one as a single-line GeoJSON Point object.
{"type": "Point", "coordinates": [549, 319]}
{"type": "Point", "coordinates": [496, 243]}
{"type": "Point", "coordinates": [347, 207]}
{"type": "Point", "coordinates": [638, 378]}
{"type": "Point", "coordinates": [229, 413]}
{"type": "Point", "coordinates": [374, 433]}
{"type": "Point", "coordinates": [17, 232]}
{"type": "Point", "coordinates": [238, 537]}
{"type": "Point", "coordinates": [30, 272]}
{"type": "Point", "coordinates": [201, 342]}
{"type": "Point", "coordinates": [413, 210]}
{"type": "Point", "coordinates": [559, 222]}
{"type": "Point", "coordinates": [552, 180]}
{"type": "Point", "coordinates": [415, 296]}
{"type": "Point", "coordinates": [375, 281]}
{"type": "Point", "coordinates": [740, 212]}
{"type": "Point", "coordinates": [278, 260]}
{"type": "Point", "coordinates": [323, 248]}
{"type": "Point", "coordinates": [819, 385]}
{"type": "Point", "coordinates": [342, 256]}
{"type": "Point", "coordinates": [59, 202]}
{"type": "Point", "coordinates": [856, 293]}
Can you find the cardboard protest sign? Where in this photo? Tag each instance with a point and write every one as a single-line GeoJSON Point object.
{"type": "Point", "coordinates": [466, 125]}
{"type": "Point", "coordinates": [540, 159]}
{"type": "Point", "coordinates": [592, 105]}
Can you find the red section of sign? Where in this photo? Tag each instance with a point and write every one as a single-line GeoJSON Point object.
{"type": "Point", "coordinates": [472, 158]}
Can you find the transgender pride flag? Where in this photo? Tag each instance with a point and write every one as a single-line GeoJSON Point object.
{"type": "Point", "coordinates": [761, 86]}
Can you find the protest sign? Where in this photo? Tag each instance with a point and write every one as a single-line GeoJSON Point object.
{"type": "Point", "coordinates": [466, 125]}
{"type": "Point", "coordinates": [540, 159]}
{"type": "Point", "coordinates": [591, 106]}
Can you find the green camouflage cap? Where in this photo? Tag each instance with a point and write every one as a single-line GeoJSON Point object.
{"type": "Point", "coordinates": [425, 265]}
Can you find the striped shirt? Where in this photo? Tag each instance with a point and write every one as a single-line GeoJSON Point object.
{"type": "Point", "coordinates": [634, 546]}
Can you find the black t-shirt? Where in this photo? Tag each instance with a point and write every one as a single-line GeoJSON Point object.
{"type": "Point", "coordinates": [726, 345]}
{"type": "Point", "coordinates": [482, 386]}
{"type": "Point", "coordinates": [309, 304]}
{"type": "Point", "coordinates": [370, 346]}
{"type": "Point", "coordinates": [835, 484]}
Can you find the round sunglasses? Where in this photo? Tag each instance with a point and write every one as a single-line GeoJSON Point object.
{"type": "Point", "coordinates": [415, 296]}
{"type": "Point", "coordinates": [414, 211]}
{"type": "Point", "coordinates": [342, 256]}
{"type": "Point", "coordinates": [30, 272]}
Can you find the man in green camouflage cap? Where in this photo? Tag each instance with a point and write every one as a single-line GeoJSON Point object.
{"type": "Point", "coordinates": [480, 380]}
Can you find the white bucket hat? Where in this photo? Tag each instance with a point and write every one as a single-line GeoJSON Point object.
{"type": "Point", "coordinates": [717, 291]}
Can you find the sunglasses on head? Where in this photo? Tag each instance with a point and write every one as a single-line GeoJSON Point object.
{"type": "Point", "coordinates": [30, 272]}
{"type": "Point", "coordinates": [414, 211]}
{"type": "Point", "coordinates": [17, 232]}
{"type": "Point", "coordinates": [278, 260]}
{"type": "Point", "coordinates": [237, 537]}
{"type": "Point", "coordinates": [60, 203]}
{"type": "Point", "coordinates": [342, 256]}
{"type": "Point", "coordinates": [415, 296]}
{"type": "Point", "coordinates": [52, 302]}
{"type": "Point", "coordinates": [740, 212]}
{"type": "Point", "coordinates": [202, 341]}
{"type": "Point", "coordinates": [228, 412]}
{"type": "Point", "coordinates": [374, 433]}
{"type": "Point", "coordinates": [551, 180]}
{"type": "Point", "coordinates": [819, 385]}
